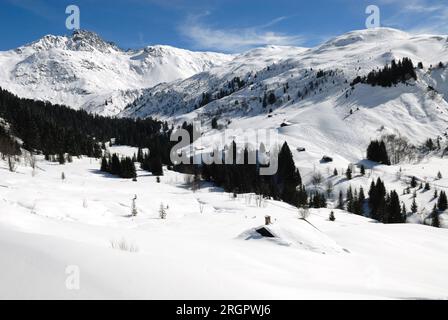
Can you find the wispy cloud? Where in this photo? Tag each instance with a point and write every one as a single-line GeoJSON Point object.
{"type": "Point", "coordinates": [204, 36]}
{"type": "Point", "coordinates": [418, 16]}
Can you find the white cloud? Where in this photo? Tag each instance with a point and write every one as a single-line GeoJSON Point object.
{"type": "Point", "coordinates": [419, 16]}
{"type": "Point", "coordinates": [235, 40]}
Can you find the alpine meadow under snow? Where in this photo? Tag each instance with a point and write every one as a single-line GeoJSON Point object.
{"type": "Point", "coordinates": [182, 232]}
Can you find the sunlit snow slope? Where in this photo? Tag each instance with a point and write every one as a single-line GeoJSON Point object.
{"type": "Point", "coordinates": [313, 93]}
{"type": "Point", "coordinates": [207, 248]}
{"type": "Point", "coordinates": [83, 71]}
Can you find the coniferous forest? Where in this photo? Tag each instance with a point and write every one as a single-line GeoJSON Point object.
{"type": "Point", "coordinates": [54, 129]}
{"type": "Point", "coordinates": [396, 72]}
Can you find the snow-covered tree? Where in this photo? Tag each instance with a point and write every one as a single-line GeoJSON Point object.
{"type": "Point", "coordinates": [134, 206]}
{"type": "Point", "coordinates": [162, 212]}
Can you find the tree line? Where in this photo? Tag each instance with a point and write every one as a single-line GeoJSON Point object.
{"type": "Point", "coordinates": [396, 72]}
{"type": "Point", "coordinates": [123, 167]}
{"type": "Point", "coordinates": [285, 185]}
{"type": "Point", "coordinates": [54, 129]}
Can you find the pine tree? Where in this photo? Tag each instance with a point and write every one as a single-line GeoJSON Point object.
{"type": "Point", "coordinates": [414, 182]}
{"type": "Point", "coordinates": [361, 200]}
{"type": "Point", "coordinates": [442, 202]}
{"type": "Point", "coordinates": [156, 165]}
{"type": "Point", "coordinates": [404, 212]}
{"type": "Point", "coordinates": [349, 200]}
{"type": "Point", "coordinates": [394, 209]}
{"type": "Point", "coordinates": [363, 170]}
{"type": "Point", "coordinates": [340, 201]}
{"type": "Point", "coordinates": [115, 165]}
{"type": "Point", "coordinates": [414, 207]}
{"type": "Point", "coordinates": [348, 173]}
{"type": "Point", "coordinates": [435, 218]}
{"type": "Point", "coordinates": [439, 175]}
{"type": "Point", "coordinates": [288, 176]}
{"type": "Point", "coordinates": [140, 156]}
{"type": "Point", "coordinates": [272, 98]}
{"type": "Point", "coordinates": [332, 217]}
{"type": "Point", "coordinates": [104, 165]}
{"type": "Point", "coordinates": [377, 152]}
{"type": "Point", "coordinates": [377, 200]}
{"type": "Point", "coordinates": [215, 123]}
{"type": "Point", "coordinates": [61, 158]}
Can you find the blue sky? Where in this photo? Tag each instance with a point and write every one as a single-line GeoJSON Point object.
{"type": "Point", "coordinates": [218, 25]}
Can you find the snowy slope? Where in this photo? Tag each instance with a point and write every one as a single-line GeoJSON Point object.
{"type": "Point", "coordinates": [83, 71]}
{"type": "Point", "coordinates": [317, 105]}
{"type": "Point", "coordinates": [47, 225]}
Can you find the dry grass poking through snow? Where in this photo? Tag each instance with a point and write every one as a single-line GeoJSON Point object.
{"type": "Point", "coordinates": [124, 245]}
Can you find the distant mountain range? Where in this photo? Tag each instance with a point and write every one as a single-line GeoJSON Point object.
{"type": "Point", "coordinates": [85, 72]}
{"type": "Point", "coordinates": [309, 89]}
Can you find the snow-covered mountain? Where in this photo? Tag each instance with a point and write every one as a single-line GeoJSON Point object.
{"type": "Point", "coordinates": [84, 71]}
{"type": "Point", "coordinates": [313, 93]}
{"type": "Point", "coordinates": [59, 220]}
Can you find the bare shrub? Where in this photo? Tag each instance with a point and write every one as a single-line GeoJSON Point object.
{"type": "Point", "coordinates": [260, 201]}
{"type": "Point", "coordinates": [399, 149]}
{"type": "Point", "coordinates": [123, 245]}
{"type": "Point", "coordinates": [188, 180]}
{"type": "Point", "coordinates": [201, 207]}
{"type": "Point", "coordinates": [317, 179]}
{"type": "Point", "coordinates": [304, 213]}
{"type": "Point", "coordinates": [12, 164]}
{"type": "Point", "coordinates": [162, 211]}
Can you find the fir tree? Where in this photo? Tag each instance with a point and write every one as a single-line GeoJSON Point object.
{"type": "Point", "coordinates": [404, 212]}
{"type": "Point", "coordinates": [435, 217]}
{"type": "Point", "coordinates": [348, 173]}
{"type": "Point", "coordinates": [61, 158]}
{"type": "Point", "coordinates": [215, 123]}
{"type": "Point", "coordinates": [104, 165]}
{"type": "Point", "coordinates": [360, 203]}
{"type": "Point", "coordinates": [377, 152]}
{"type": "Point", "coordinates": [340, 205]}
{"type": "Point", "coordinates": [413, 182]}
{"type": "Point", "coordinates": [442, 202]}
{"type": "Point", "coordinates": [393, 209]}
{"type": "Point", "coordinates": [363, 170]}
{"type": "Point", "coordinates": [414, 207]}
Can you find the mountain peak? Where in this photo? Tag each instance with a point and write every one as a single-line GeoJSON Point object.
{"type": "Point", "coordinates": [84, 40]}
{"type": "Point", "coordinates": [366, 35]}
{"type": "Point", "coordinates": [80, 40]}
